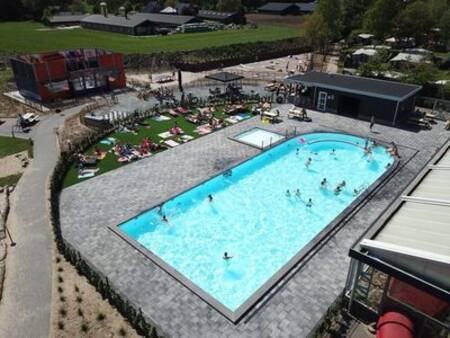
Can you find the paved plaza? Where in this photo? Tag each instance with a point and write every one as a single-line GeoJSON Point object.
{"type": "Point", "coordinates": [298, 302]}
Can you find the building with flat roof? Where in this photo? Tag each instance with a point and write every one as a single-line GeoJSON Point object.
{"type": "Point", "coordinates": [136, 24]}
{"type": "Point", "coordinates": [402, 264]}
{"type": "Point", "coordinates": [287, 8]}
{"type": "Point", "coordinates": [66, 19]}
{"type": "Point", "coordinates": [54, 76]}
{"type": "Point", "coordinates": [355, 96]}
{"type": "Point", "coordinates": [223, 17]}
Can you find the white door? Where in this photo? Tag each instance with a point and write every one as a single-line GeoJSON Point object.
{"type": "Point", "coordinates": [322, 102]}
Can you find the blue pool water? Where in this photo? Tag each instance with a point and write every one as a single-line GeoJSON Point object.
{"type": "Point", "coordinates": [251, 217]}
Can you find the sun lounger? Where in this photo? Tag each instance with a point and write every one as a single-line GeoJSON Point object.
{"type": "Point", "coordinates": [203, 129]}
{"type": "Point", "coordinates": [160, 118]}
{"type": "Point", "coordinates": [171, 143]}
{"type": "Point", "coordinates": [172, 113]}
{"type": "Point", "coordinates": [234, 119]}
{"type": "Point", "coordinates": [165, 135]}
{"type": "Point", "coordinates": [421, 122]}
{"type": "Point", "coordinates": [186, 138]}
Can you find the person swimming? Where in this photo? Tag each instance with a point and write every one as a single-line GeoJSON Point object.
{"type": "Point", "coordinates": [164, 218]}
{"type": "Point", "coordinates": [160, 209]}
{"type": "Point", "coordinates": [288, 193]}
{"type": "Point", "coordinates": [333, 152]}
{"type": "Point", "coordinates": [297, 152]}
{"type": "Point", "coordinates": [310, 203]}
{"type": "Point", "coordinates": [297, 193]}
{"type": "Point", "coordinates": [356, 191]}
{"type": "Point", "coordinates": [337, 190]}
{"type": "Point", "coordinates": [210, 198]}
{"type": "Point", "coordinates": [226, 256]}
{"type": "Point", "coordinates": [342, 184]}
{"type": "Point", "coordinates": [324, 183]}
{"type": "Point", "coordinates": [308, 162]}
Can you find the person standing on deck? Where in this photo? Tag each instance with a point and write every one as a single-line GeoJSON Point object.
{"type": "Point", "coordinates": [372, 122]}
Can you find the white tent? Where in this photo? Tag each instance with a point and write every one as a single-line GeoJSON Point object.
{"type": "Point", "coordinates": [169, 10]}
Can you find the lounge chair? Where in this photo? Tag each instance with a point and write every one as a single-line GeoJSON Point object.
{"type": "Point", "coordinates": [420, 122]}
{"type": "Point", "coordinates": [272, 116]}
{"type": "Point", "coordinates": [297, 113]}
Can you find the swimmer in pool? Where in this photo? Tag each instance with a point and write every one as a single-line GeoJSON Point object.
{"type": "Point", "coordinates": [310, 203]}
{"type": "Point", "coordinates": [297, 193]}
{"type": "Point", "coordinates": [298, 150]}
{"type": "Point", "coordinates": [342, 184]}
{"type": "Point", "coordinates": [308, 162]}
{"type": "Point", "coordinates": [324, 183]}
{"type": "Point", "coordinates": [288, 193]}
{"type": "Point", "coordinates": [333, 152]}
{"type": "Point", "coordinates": [164, 218]}
{"type": "Point", "coordinates": [338, 190]}
{"type": "Point", "coordinates": [210, 198]}
{"type": "Point", "coordinates": [226, 257]}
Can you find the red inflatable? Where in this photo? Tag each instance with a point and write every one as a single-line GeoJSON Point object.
{"type": "Point", "coordinates": [394, 325]}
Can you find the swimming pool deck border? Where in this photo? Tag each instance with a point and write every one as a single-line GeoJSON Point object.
{"type": "Point", "coordinates": [298, 302]}
{"type": "Point", "coordinates": [272, 282]}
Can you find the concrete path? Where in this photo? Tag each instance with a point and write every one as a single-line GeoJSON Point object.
{"type": "Point", "coordinates": [25, 306]}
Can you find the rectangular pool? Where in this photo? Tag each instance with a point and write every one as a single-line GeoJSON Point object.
{"type": "Point", "coordinates": [257, 216]}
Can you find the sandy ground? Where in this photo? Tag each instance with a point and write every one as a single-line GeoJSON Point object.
{"type": "Point", "coordinates": [12, 164]}
{"type": "Point", "coordinates": [72, 294]}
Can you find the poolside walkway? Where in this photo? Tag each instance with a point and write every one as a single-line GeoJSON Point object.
{"type": "Point", "coordinates": [25, 306]}
{"type": "Point", "coordinates": [299, 301]}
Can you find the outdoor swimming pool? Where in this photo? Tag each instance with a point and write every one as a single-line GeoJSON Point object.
{"type": "Point", "coordinates": [252, 218]}
{"type": "Point", "coordinates": [259, 138]}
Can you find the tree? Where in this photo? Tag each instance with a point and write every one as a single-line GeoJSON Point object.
{"type": "Point", "coordinates": [79, 6]}
{"type": "Point", "coordinates": [444, 25]}
{"type": "Point", "coordinates": [377, 64]}
{"type": "Point", "coordinates": [379, 19]}
{"type": "Point", "coordinates": [11, 10]}
{"type": "Point", "coordinates": [437, 9]}
{"type": "Point", "coordinates": [421, 74]}
{"type": "Point", "coordinates": [229, 5]}
{"type": "Point", "coordinates": [331, 12]}
{"type": "Point", "coordinates": [414, 21]}
{"type": "Point", "coordinates": [353, 12]}
{"type": "Point", "coordinates": [316, 31]}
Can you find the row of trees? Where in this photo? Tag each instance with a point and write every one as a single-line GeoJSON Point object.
{"type": "Point", "coordinates": [399, 18]}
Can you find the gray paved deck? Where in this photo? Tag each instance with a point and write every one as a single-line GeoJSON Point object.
{"type": "Point", "coordinates": [300, 300]}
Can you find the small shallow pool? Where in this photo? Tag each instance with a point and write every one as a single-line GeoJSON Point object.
{"type": "Point", "coordinates": [253, 218]}
{"type": "Point", "coordinates": [259, 138]}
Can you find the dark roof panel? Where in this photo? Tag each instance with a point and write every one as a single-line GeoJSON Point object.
{"type": "Point", "coordinates": [214, 15]}
{"type": "Point", "coordinates": [307, 6]}
{"type": "Point", "coordinates": [138, 18]}
{"type": "Point", "coordinates": [67, 18]}
{"type": "Point", "coordinates": [357, 84]}
{"type": "Point", "coordinates": [277, 6]}
{"type": "Point", "coordinates": [224, 77]}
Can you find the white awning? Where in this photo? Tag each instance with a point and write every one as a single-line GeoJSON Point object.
{"type": "Point", "coordinates": [416, 237]}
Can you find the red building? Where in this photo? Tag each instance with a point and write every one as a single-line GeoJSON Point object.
{"type": "Point", "coordinates": [49, 77]}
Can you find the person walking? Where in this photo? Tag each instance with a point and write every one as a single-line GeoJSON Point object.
{"type": "Point", "coordinates": [372, 122]}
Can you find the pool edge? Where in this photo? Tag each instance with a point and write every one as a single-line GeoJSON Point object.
{"type": "Point", "coordinates": [296, 260]}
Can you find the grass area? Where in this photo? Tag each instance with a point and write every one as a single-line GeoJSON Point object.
{"type": "Point", "coordinates": [151, 131]}
{"type": "Point", "coordinates": [10, 180]}
{"type": "Point", "coordinates": [9, 146]}
{"type": "Point", "coordinates": [28, 37]}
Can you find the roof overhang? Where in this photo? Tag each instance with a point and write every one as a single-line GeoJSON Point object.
{"type": "Point", "coordinates": [354, 91]}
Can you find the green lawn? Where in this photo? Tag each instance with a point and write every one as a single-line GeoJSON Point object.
{"type": "Point", "coordinates": [9, 146]}
{"type": "Point", "coordinates": [110, 161]}
{"type": "Point", "coordinates": [26, 37]}
{"type": "Point", "coordinates": [10, 180]}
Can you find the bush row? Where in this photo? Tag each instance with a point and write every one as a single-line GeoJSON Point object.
{"type": "Point", "coordinates": [102, 285]}
{"type": "Point", "coordinates": [216, 57]}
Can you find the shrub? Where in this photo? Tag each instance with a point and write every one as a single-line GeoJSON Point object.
{"type": "Point", "coordinates": [79, 299]}
{"type": "Point", "coordinates": [63, 312]}
{"type": "Point", "coordinates": [100, 316]}
{"type": "Point", "coordinates": [60, 289]}
{"type": "Point", "coordinates": [62, 299]}
{"type": "Point", "coordinates": [122, 332]}
{"type": "Point", "coordinates": [60, 269]}
{"type": "Point", "coordinates": [60, 279]}
{"type": "Point", "coordinates": [60, 325]}
{"type": "Point", "coordinates": [84, 327]}
{"type": "Point", "coordinates": [77, 289]}
{"type": "Point", "coordinates": [80, 312]}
